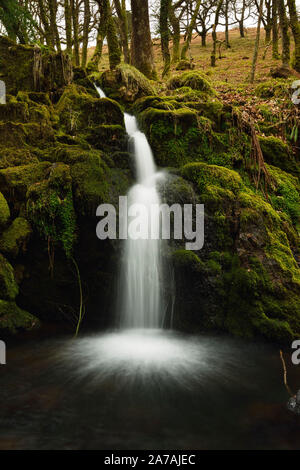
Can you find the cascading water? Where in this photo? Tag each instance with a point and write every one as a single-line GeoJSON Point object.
{"type": "Point", "coordinates": [141, 299]}
{"type": "Point", "coordinates": [141, 302]}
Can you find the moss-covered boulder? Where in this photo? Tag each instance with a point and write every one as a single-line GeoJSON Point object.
{"type": "Point", "coordinates": [94, 183]}
{"type": "Point", "coordinates": [29, 68]}
{"type": "Point", "coordinates": [12, 156]}
{"type": "Point", "coordinates": [78, 111]}
{"type": "Point", "coordinates": [8, 286]}
{"type": "Point", "coordinates": [15, 238]}
{"type": "Point", "coordinates": [13, 318]}
{"type": "Point", "coordinates": [279, 154]}
{"type": "Point", "coordinates": [247, 271]}
{"type": "Point", "coordinates": [125, 84]}
{"type": "Point", "coordinates": [15, 181]}
{"type": "Point", "coordinates": [4, 211]}
{"type": "Point", "coordinates": [195, 80]}
{"type": "Point", "coordinates": [176, 136]}
{"type": "Point", "coordinates": [50, 207]}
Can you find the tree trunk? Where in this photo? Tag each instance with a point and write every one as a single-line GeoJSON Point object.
{"type": "Point", "coordinates": [86, 25]}
{"type": "Point", "coordinates": [141, 44]}
{"type": "Point", "coordinates": [284, 26]}
{"type": "Point", "coordinates": [255, 53]}
{"type": "Point", "coordinates": [123, 22]}
{"type": "Point", "coordinates": [74, 11]}
{"type": "Point", "coordinates": [101, 33]}
{"type": "Point", "coordinates": [241, 22]}
{"type": "Point", "coordinates": [68, 25]}
{"type": "Point", "coordinates": [275, 50]}
{"type": "Point", "coordinates": [45, 23]}
{"type": "Point", "coordinates": [203, 39]}
{"type": "Point", "coordinates": [114, 51]}
{"type": "Point", "coordinates": [164, 34]}
{"type": "Point", "coordinates": [227, 43]}
{"type": "Point", "coordinates": [295, 26]}
{"type": "Point", "coordinates": [53, 24]}
{"type": "Point", "coordinates": [189, 32]}
{"type": "Point", "coordinates": [214, 34]}
{"type": "Point", "coordinates": [175, 22]}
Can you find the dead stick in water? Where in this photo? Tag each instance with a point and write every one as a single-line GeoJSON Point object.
{"type": "Point", "coordinates": [285, 375]}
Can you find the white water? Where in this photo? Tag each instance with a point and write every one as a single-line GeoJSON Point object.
{"type": "Point", "coordinates": [141, 299]}
{"type": "Point", "coordinates": [100, 92]}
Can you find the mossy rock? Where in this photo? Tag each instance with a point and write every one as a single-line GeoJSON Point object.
{"type": "Point", "coordinates": [195, 80]}
{"type": "Point", "coordinates": [8, 286]}
{"type": "Point", "coordinates": [94, 183]}
{"type": "Point", "coordinates": [286, 193]}
{"type": "Point", "coordinates": [107, 137]}
{"type": "Point", "coordinates": [19, 135]}
{"type": "Point", "coordinates": [11, 156]}
{"type": "Point", "coordinates": [4, 211]}
{"type": "Point", "coordinates": [15, 181]}
{"type": "Point", "coordinates": [204, 176]}
{"type": "Point", "coordinates": [177, 136]}
{"type": "Point", "coordinates": [185, 65]}
{"type": "Point", "coordinates": [279, 154]}
{"type": "Point", "coordinates": [274, 88]}
{"type": "Point", "coordinates": [17, 63]}
{"type": "Point", "coordinates": [14, 319]}
{"type": "Point", "coordinates": [78, 110]}
{"type": "Point", "coordinates": [15, 238]}
{"type": "Point", "coordinates": [50, 208]}
{"type": "Point", "coordinates": [125, 84]}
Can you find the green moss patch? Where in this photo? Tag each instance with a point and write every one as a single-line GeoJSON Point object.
{"type": "Point", "coordinates": [13, 318]}
{"type": "Point", "coordinates": [15, 237]}
{"type": "Point", "coordinates": [4, 211]}
{"type": "Point", "coordinates": [194, 80]}
{"type": "Point", "coordinates": [8, 286]}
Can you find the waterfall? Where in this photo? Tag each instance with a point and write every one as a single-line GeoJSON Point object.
{"type": "Point", "coordinates": [140, 300]}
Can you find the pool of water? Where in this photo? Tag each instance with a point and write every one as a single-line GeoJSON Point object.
{"type": "Point", "coordinates": [146, 390]}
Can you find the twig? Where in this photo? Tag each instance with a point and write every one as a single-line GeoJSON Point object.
{"type": "Point", "coordinates": [285, 375]}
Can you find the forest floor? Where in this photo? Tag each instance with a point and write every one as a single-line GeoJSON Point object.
{"type": "Point", "coordinates": [230, 77]}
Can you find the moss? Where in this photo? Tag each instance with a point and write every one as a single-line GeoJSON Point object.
{"type": "Point", "coordinates": [16, 156]}
{"type": "Point", "coordinates": [12, 318]}
{"type": "Point", "coordinates": [17, 68]}
{"type": "Point", "coordinates": [79, 110]}
{"type": "Point", "coordinates": [15, 237]}
{"type": "Point", "coordinates": [4, 211]}
{"type": "Point", "coordinates": [15, 181]}
{"type": "Point", "coordinates": [277, 153]}
{"type": "Point", "coordinates": [194, 80]}
{"type": "Point", "coordinates": [286, 194]}
{"type": "Point", "coordinates": [274, 88]}
{"type": "Point", "coordinates": [125, 84]}
{"type": "Point", "coordinates": [50, 208]}
{"type": "Point", "coordinates": [186, 259]}
{"type": "Point", "coordinates": [176, 136]}
{"type": "Point", "coordinates": [107, 137]}
{"type": "Point", "coordinates": [204, 175]}
{"type": "Point", "coordinates": [94, 183]}
{"type": "Point", "coordinates": [19, 134]}
{"type": "Point", "coordinates": [8, 286]}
